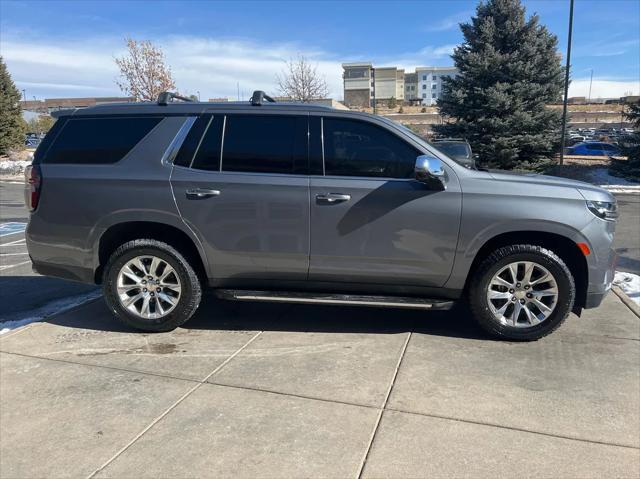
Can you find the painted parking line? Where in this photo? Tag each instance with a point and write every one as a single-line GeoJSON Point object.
{"type": "Point", "coordinates": [11, 228]}
{"type": "Point", "coordinates": [14, 243]}
{"type": "Point", "coordinates": [2, 268]}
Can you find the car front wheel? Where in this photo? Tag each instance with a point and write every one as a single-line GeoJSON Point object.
{"type": "Point", "coordinates": [521, 292]}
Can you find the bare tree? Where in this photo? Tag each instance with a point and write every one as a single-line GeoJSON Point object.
{"type": "Point", "coordinates": [143, 72]}
{"type": "Point", "coordinates": [301, 81]}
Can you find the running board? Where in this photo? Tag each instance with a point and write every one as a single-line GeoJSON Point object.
{"type": "Point", "coordinates": [335, 299]}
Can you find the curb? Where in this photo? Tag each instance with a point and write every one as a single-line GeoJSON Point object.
{"type": "Point", "coordinates": [635, 309]}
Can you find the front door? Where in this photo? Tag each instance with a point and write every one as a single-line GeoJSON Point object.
{"type": "Point", "coordinates": [370, 221]}
{"type": "Point", "coordinates": [240, 184]}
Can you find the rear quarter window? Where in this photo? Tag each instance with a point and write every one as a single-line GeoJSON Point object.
{"type": "Point", "coordinates": [97, 140]}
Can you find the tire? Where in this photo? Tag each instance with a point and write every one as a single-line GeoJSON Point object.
{"type": "Point", "coordinates": [171, 300]}
{"type": "Point", "coordinates": [527, 328]}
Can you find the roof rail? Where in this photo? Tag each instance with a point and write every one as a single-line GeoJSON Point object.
{"type": "Point", "coordinates": [258, 96]}
{"type": "Point", "coordinates": [166, 96]}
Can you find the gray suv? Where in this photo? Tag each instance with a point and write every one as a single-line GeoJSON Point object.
{"type": "Point", "coordinates": [266, 201]}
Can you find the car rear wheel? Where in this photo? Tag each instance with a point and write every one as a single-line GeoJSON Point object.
{"type": "Point", "coordinates": [521, 292]}
{"type": "Point", "coordinates": [150, 286]}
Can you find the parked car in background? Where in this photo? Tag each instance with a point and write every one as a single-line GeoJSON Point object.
{"type": "Point", "coordinates": [32, 142]}
{"type": "Point", "coordinates": [594, 148]}
{"type": "Point", "coordinates": [301, 203]}
{"type": "Point", "coordinates": [575, 139]}
{"type": "Point", "coordinates": [457, 149]}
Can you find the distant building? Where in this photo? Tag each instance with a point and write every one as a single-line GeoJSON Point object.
{"type": "Point", "coordinates": [411, 87]}
{"type": "Point", "coordinates": [358, 84]}
{"type": "Point", "coordinates": [53, 104]}
{"type": "Point", "coordinates": [430, 82]}
{"type": "Point", "coordinates": [388, 83]}
{"type": "Point", "coordinates": [363, 81]}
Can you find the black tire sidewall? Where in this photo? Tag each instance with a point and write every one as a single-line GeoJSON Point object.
{"type": "Point", "coordinates": [566, 296]}
{"type": "Point", "coordinates": [180, 313]}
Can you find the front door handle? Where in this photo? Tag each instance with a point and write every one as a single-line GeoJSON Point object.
{"type": "Point", "coordinates": [201, 193]}
{"type": "Point", "coordinates": [332, 198]}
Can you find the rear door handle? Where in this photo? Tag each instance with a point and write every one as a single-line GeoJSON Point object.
{"type": "Point", "coordinates": [332, 198]}
{"type": "Point", "coordinates": [201, 193]}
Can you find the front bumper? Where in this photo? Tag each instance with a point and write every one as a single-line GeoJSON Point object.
{"type": "Point", "coordinates": [593, 300]}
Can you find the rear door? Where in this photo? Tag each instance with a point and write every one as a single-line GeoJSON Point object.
{"type": "Point", "coordinates": [241, 184]}
{"type": "Point", "coordinates": [371, 222]}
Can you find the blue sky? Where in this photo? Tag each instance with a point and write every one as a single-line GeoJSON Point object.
{"type": "Point", "coordinates": [66, 48]}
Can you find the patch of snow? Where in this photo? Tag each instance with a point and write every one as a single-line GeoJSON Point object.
{"type": "Point", "coordinates": [12, 168]}
{"type": "Point", "coordinates": [629, 283]}
{"type": "Point", "coordinates": [601, 177]}
{"type": "Point", "coordinates": [48, 310]}
{"type": "Point", "coordinates": [622, 189]}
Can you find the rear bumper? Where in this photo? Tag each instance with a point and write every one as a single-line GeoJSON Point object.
{"type": "Point", "coordinates": [72, 273]}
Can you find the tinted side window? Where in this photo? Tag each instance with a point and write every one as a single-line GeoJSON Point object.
{"type": "Point", "coordinates": [48, 139]}
{"type": "Point", "coordinates": [192, 141]}
{"type": "Point", "coordinates": [594, 147]}
{"type": "Point", "coordinates": [265, 144]}
{"type": "Point", "coordinates": [98, 140]}
{"type": "Point", "coordinates": [357, 148]}
{"type": "Point", "coordinates": [208, 154]}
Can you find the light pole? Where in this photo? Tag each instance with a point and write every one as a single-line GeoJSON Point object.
{"type": "Point", "coordinates": [198, 92]}
{"type": "Point", "coordinates": [24, 95]}
{"type": "Point", "coordinates": [566, 83]}
{"type": "Point", "coordinates": [590, 83]}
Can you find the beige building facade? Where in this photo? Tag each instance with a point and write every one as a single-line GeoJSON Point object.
{"type": "Point", "coordinates": [363, 82]}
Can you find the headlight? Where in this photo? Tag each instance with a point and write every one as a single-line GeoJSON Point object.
{"type": "Point", "coordinates": [603, 209]}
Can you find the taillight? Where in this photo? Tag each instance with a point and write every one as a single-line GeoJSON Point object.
{"type": "Point", "coordinates": [33, 178]}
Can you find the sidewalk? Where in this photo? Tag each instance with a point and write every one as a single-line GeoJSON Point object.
{"type": "Point", "coordinates": [259, 390]}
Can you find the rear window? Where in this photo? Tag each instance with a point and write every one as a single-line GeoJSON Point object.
{"type": "Point", "coordinates": [98, 140]}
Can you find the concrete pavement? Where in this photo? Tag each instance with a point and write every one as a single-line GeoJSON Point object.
{"type": "Point", "coordinates": [261, 390]}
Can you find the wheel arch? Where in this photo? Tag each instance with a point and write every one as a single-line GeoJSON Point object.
{"type": "Point", "coordinates": [120, 233]}
{"type": "Point", "coordinates": [563, 246]}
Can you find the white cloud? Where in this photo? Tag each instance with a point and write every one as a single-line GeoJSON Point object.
{"type": "Point", "coordinates": [211, 66]}
{"type": "Point", "coordinates": [451, 22]}
{"type": "Point", "coordinates": [603, 88]}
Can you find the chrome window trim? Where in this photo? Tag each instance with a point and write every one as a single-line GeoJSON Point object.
{"type": "Point", "coordinates": [224, 128]}
{"type": "Point", "coordinates": [172, 150]}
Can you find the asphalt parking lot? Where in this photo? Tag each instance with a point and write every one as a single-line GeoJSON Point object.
{"type": "Point", "coordinates": [261, 390]}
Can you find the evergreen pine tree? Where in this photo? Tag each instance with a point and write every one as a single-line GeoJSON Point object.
{"type": "Point", "coordinates": [630, 168]}
{"type": "Point", "coordinates": [12, 126]}
{"type": "Point", "coordinates": [508, 71]}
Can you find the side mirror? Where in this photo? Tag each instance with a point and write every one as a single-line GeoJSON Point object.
{"type": "Point", "coordinates": [429, 170]}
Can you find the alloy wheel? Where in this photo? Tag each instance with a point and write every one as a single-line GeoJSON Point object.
{"type": "Point", "coordinates": [148, 287]}
{"type": "Point", "coordinates": [522, 294]}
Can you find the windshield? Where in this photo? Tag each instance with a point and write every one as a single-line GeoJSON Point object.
{"type": "Point", "coordinates": [408, 131]}
{"type": "Point", "coordinates": [426, 144]}
{"type": "Point", "coordinates": [455, 150]}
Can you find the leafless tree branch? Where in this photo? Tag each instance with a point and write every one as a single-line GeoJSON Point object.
{"type": "Point", "coordinates": [143, 72]}
{"type": "Point", "coordinates": [301, 81]}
